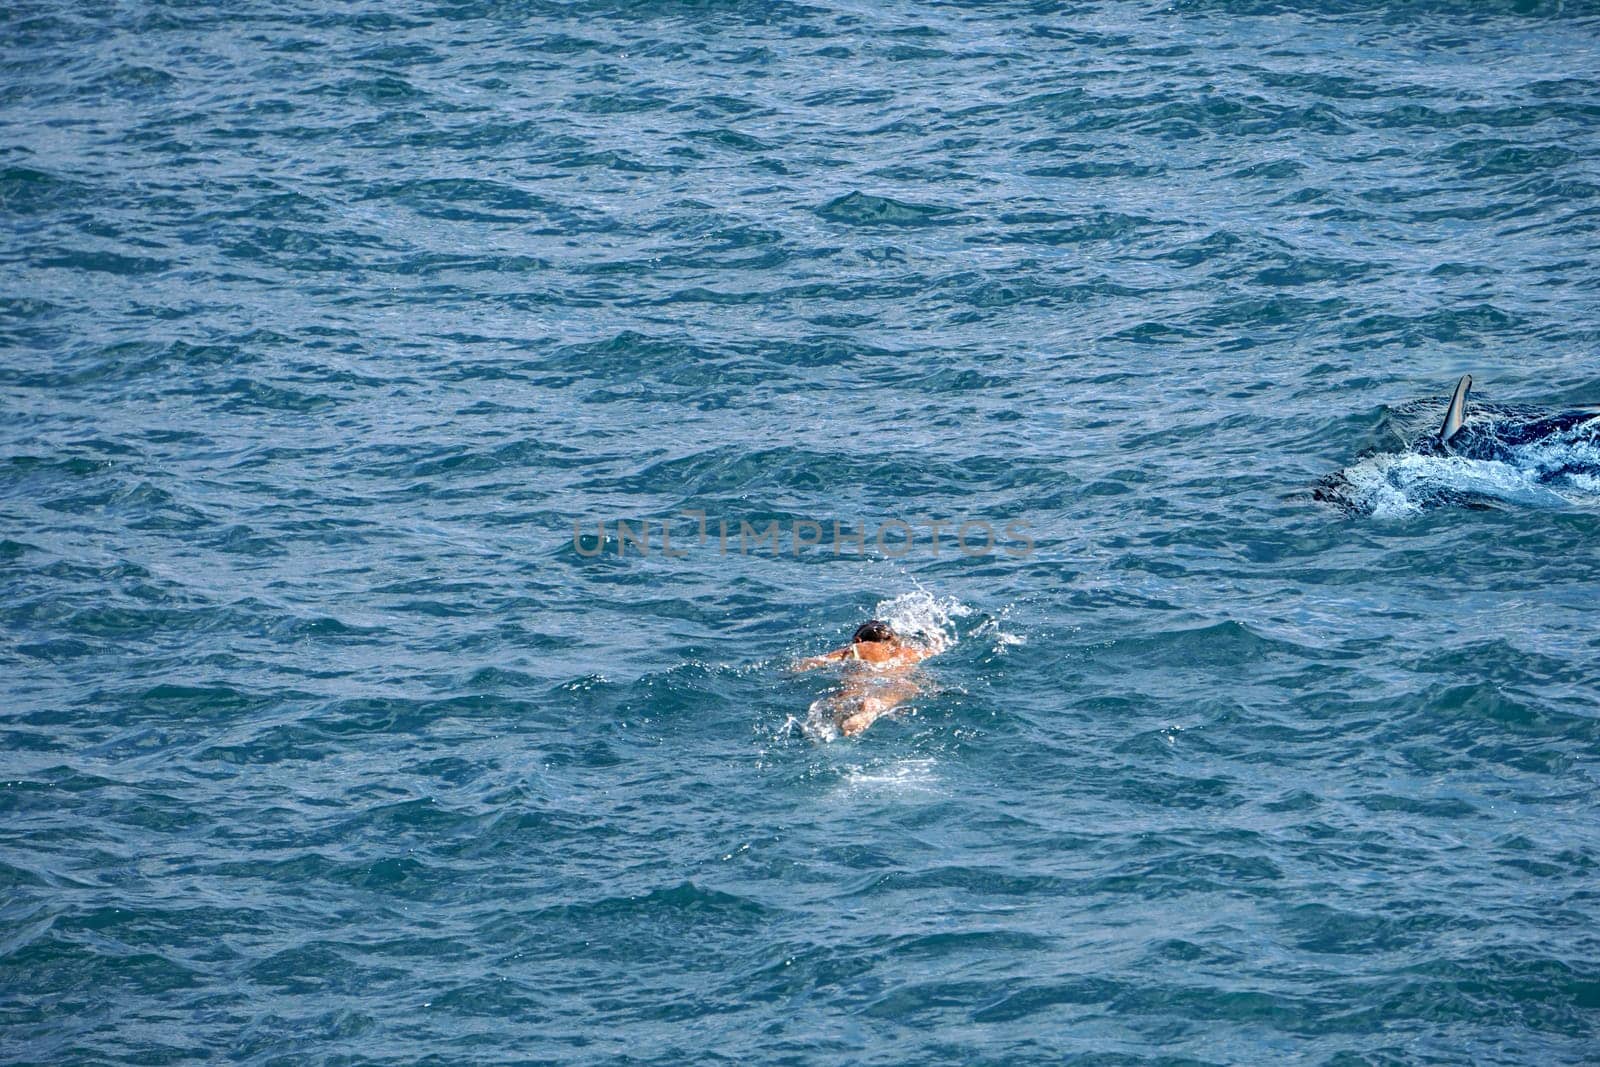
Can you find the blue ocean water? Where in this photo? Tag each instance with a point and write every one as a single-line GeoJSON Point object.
{"type": "Point", "coordinates": [325, 324]}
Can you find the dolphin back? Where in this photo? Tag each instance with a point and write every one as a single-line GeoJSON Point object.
{"type": "Point", "coordinates": [1456, 413]}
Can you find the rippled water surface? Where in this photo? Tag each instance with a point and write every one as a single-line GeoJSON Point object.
{"type": "Point", "coordinates": [322, 325]}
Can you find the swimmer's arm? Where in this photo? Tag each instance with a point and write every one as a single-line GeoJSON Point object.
{"type": "Point", "coordinates": [869, 709]}
{"type": "Point", "coordinates": [823, 660]}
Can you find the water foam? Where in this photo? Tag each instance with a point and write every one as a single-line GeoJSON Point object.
{"type": "Point", "coordinates": [912, 775]}
{"type": "Point", "coordinates": [1553, 472]}
{"type": "Point", "coordinates": [924, 618]}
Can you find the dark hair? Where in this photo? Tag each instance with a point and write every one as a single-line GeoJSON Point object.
{"type": "Point", "coordinates": [875, 630]}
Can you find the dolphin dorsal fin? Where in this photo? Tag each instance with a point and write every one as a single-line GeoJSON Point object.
{"type": "Point", "coordinates": [1457, 411]}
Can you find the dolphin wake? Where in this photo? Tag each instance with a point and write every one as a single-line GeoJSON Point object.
{"type": "Point", "coordinates": [1500, 455]}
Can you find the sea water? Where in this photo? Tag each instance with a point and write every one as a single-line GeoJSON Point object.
{"type": "Point", "coordinates": [325, 325]}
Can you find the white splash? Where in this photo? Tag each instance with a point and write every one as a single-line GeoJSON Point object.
{"type": "Point", "coordinates": [917, 775]}
{"type": "Point", "coordinates": [924, 618]}
{"type": "Point", "coordinates": [819, 722]}
{"type": "Point", "coordinates": [1392, 485]}
{"type": "Point", "coordinates": [1002, 638]}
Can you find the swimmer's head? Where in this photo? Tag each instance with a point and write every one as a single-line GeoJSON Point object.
{"type": "Point", "coordinates": [875, 630]}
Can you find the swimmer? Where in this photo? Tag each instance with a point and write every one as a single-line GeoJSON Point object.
{"type": "Point", "coordinates": [878, 684]}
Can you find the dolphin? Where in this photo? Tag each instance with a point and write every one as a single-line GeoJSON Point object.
{"type": "Point", "coordinates": [1456, 413]}
{"type": "Point", "coordinates": [1487, 456]}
